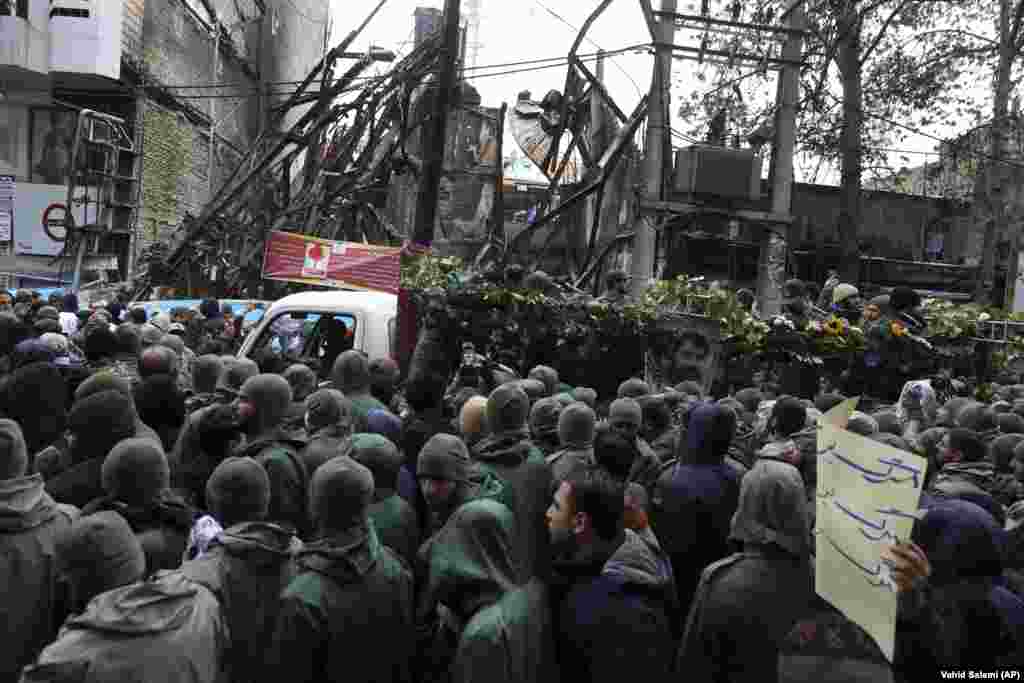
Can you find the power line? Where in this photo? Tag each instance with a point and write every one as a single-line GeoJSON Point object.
{"type": "Point", "coordinates": [306, 16]}
{"type": "Point", "coordinates": [562, 19]}
{"type": "Point", "coordinates": [973, 151]}
{"type": "Point", "coordinates": [563, 60]}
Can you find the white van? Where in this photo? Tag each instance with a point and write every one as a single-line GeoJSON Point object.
{"type": "Point", "coordinates": [317, 324]}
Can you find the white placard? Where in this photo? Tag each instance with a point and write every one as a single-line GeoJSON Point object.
{"type": "Point", "coordinates": [867, 499]}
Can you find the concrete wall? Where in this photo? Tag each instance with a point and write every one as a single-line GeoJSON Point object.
{"type": "Point", "coordinates": [178, 49]}
{"type": "Point", "coordinates": [894, 224]}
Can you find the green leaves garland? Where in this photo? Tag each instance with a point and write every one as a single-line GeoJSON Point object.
{"type": "Point", "coordinates": [951, 327]}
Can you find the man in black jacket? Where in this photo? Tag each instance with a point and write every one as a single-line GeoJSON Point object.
{"type": "Point", "coordinates": [613, 595]}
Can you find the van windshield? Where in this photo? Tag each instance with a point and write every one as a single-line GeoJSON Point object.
{"type": "Point", "coordinates": [309, 337]}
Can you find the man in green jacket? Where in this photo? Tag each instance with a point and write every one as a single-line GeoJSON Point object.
{"type": "Point", "coordinates": [495, 628]}
{"type": "Point", "coordinates": [393, 517]}
{"type": "Point", "coordinates": [247, 565]}
{"type": "Point", "coordinates": [510, 454]}
{"type": "Point", "coordinates": [352, 595]}
{"type": "Point", "coordinates": [351, 376]}
{"type": "Point", "coordinates": [263, 405]}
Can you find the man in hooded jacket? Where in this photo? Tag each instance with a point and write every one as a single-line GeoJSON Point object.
{"type": "Point", "coordinates": [210, 433]}
{"type": "Point", "coordinates": [97, 423]}
{"type": "Point", "coordinates": [30, 523]}
{"type": "Point", "coordinates": [392, 516]}
{"type": "Point", "coordinates": [352, 595]}
{"type": "Point", "coordinates": [328, 420]}
{"type": "Point", "coordinates": [544, 424]}
{"type": "Point", "coordinates": [167, 629]}
{"type": "Point", "coordinates": [509, 454]}
{"type": "Point", "coordinates": [263, 405]}
{"type": "Point", "coordinates": [966, 469]}
{"type": "Point", "coordinates": [576, 436]}
{"type": "Point", "coordinates": [613, 593]}
{"type": "Point", "coordinates": [351, 376]}
{"type": "Point", "coordinates": [625, 416]}
{"type": "Point", "coordinates": [247, 565]}
{"type": "Point", "coordinates": [494, 627]}
{"type": "Point", "coordinates": [303, 382]}
{"type": "Point", "coordinates": [747, 603]}
{"type": "Point", "coordinates": [447, 479]}
{"type": "Point", "coordinates": [136, 482]}
{"type": "Point", "coordinates": [695, 497]}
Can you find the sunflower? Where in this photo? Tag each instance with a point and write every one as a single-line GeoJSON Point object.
{"type": "Point", "coordinates": [835, 327]}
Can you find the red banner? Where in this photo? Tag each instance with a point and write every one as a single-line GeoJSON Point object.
{"type": "Point", "coordinates": [346, 265]}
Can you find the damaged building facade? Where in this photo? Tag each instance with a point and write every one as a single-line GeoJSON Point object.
{"type": "Point", "coordinates": [194, 82]}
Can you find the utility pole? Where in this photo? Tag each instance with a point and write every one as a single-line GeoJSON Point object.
{"type": "Point", "coordinates": [213, 110]}
{"type": "Point", "coordinates": [498, 210]}
{"type": "Point", "coordinates": [598, 143]}
{"type": "Point", "coordinates": [772, 262]}
{"type": "Point", "coordinates": [436, 132]}
{"type": "Point", "coordinates": [654, 158]}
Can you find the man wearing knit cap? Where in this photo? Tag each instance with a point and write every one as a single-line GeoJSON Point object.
{"type": "Point", "coordinates": [846, 303]}
{"type": "Point", "coordinates": [168, 628]}
{"type": "Point", "coordinates": [634, 388]}
{"type": "Point", "coordinates": [136, 482]}
{"type": "Point", "coordinates": [576, 437]}
{"type": "Point", "coordinates": [263, 405]}
{"type": "Point", "coordinates": [443, 472]}
{"type": "Point", "coordinates": [534, 389]}
{"type": "Point", "coordinates": [303, 382]}
{"type": "Point", "coordinates": [586, 395]}
{"type": "Point", "coordinates": [108, 381]}
{"type": "Point", "coordinates": [625, 416]}
{"type": "Point", "coordinates": [393, 517]}
{"type": "Point", "coordinates": [186, 359]}
{"type": "Point", "coordinates": [547, 375]}
{"type": "Point", "coordinates": [384, 375]}
{"type": "Point", "coordinates": [95, 425]}
{"type": "Point", "coordinates": [206, 370]}
{"type": "Point", "coordinates": [544, 424]}
{"type": "Point", "coordinates": [212, 431]}
{"type": "Point", "coordinates": [328, 422]}
{"type": "Point", "coordinates": [30, 523]}
{"type": "Point", "coordinates": [351, 376]}
{"type": "Point", "coordinates": [129, 345]}
{"type": "Point", "coordinates": [509, 454]}
{"type": "Point", "coordinates": [158, 360]}
{"type": "Point", "coordinates": [248, 564]}
{"type": "Point", "coordinates": [658, 430]}
{"type": "Point", "coordinates": [352, 594]}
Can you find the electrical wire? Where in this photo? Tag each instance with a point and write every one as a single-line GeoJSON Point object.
{"type": "Point", "coordinates": [562, 59]}
{"type": "Point", "coordinates": [306, 16]}
{"type": "Point", "coordinates": [562, 19]}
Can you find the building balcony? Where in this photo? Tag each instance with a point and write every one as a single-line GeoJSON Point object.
{"type": "Point", "coordinates": [24, 40]}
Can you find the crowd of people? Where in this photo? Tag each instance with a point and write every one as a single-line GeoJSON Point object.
{"type": "Point", "coordinates": [169, 512]}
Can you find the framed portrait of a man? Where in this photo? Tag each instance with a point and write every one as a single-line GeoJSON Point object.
{"type": "Point", "coordinates": [13, 140]}
{"type": "Point", "coordinates": [53, 136]}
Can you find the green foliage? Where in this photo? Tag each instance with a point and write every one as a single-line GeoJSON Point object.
{"type": "Point", "coordinates": [167, 157]}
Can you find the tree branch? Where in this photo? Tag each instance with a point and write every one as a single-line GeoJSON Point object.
{"type": "Point", "coordinates": [881, 32]}
{"type": "Point", "coordinates": [1018, 16]}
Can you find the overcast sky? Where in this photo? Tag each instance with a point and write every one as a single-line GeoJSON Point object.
{"type": "Point", "coordinates": [528, 30]}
